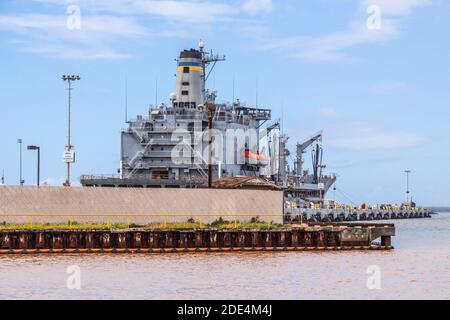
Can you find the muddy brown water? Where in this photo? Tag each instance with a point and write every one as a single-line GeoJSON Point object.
{"type": "Point", "coordinates": [418, 268]}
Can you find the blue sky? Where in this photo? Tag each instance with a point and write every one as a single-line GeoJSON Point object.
{"type": "Point", "coordinates": [380, 95]}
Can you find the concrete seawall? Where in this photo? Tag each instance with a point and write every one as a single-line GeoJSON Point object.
{"type": "Point", "coordinates": [99, 203]}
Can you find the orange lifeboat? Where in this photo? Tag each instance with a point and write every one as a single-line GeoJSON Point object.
{"type": "Point", "coordinates": [259, 158]}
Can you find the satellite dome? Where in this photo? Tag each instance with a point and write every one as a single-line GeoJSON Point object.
{"type": "Point", "coordinates": [201, 45]}
{"type": "Point", "coordinates": [173, 96]}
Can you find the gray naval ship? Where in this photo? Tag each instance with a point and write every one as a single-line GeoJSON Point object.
{"type": "Point", "coordinates": [168, 148]}
{"type": "Point", "coordinates": [194, 139]}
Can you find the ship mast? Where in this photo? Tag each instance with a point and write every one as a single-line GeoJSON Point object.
{"type": "Point", "coordinates": [207, 59]}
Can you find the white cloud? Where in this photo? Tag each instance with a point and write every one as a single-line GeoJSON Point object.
{"type": "Point", "coordinates": [330, 46]}
{"type": "Point", "coordinates": [257, 6]}
{"type": "Point", "coordinates": [49, 35]}
{"type": "Point", "coordinates": [106, 25]}
{"type": "Point", "coordinates": [333, 46]}
{"type": "Point", "coordinates": [186, 10]}
{"type": "Point", "coordinates": [328, 112]}
{"type": "Point", "coordinates": [361, 135]}
{"type": "Point", "coordinates": [197, 11]}
{"type": "Point", "coordinates": [178, 18]}
{"type": "Point", "coordinates": [396, 7]}
{"type": "Point", "coordinates": [389, 87]}
{"type": "Point", "coordinates": [75, 53]}
{"type": "Point", "coordinates": [105, 22]}
{"type": "Point", "coordinates": [379, 141]}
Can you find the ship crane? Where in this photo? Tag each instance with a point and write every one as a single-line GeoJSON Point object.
{"type": "Point", "coordinates": [275, 126]}
{"type": "Point", "coordinates": [317, 155]}
{"type": "Point", "coordinates": [301, 147]}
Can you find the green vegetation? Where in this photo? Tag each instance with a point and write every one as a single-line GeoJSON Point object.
{"type": "Point", "coordinates": [74, 225]}
{"type": "Point", "coordinates": [254, 223]}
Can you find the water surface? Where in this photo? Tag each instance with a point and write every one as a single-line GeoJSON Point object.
{"type": "Point", "coordinates": [419, 268]}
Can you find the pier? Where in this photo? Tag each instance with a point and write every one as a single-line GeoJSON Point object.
{"type": "Point", "coordinates": [315, 237]}
{"type": "Point", "coordinates": [331, 215]}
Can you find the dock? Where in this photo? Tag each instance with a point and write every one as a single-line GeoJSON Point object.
{"type": "Point", "coordinates": [120, 220]}
{"type": "Point", "coordinates": [313, 237]}
{"type": "Point", "coordinates": [333, 215]}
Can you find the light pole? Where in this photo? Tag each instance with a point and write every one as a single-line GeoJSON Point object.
{"type": "Point", "coordinates": [33, 147]}
{"type": "Point", "coordinates": [69, 156]}
{"type": "Point", "coordinates": [407, 186]}
{"type": "Point", "coordinates": [21, 181]}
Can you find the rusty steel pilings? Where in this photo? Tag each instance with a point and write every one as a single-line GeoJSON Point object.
{"type": "Point", "coordinates": [188, 240]}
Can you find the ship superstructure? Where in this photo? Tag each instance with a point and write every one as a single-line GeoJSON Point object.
{"type": "Point", "coordinates": [175, 143]}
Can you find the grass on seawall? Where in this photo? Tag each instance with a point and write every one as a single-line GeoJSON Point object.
{"type": "Point", "coordinates": [255, 223]}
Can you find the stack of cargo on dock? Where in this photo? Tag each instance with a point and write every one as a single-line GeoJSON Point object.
{"type": "Point", "coordinates": [332, 215]}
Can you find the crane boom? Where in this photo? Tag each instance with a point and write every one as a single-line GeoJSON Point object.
{"type": "Point", "coordinates": [301, 147]}
{"type": "Point", "coordinates": [304, 145]}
